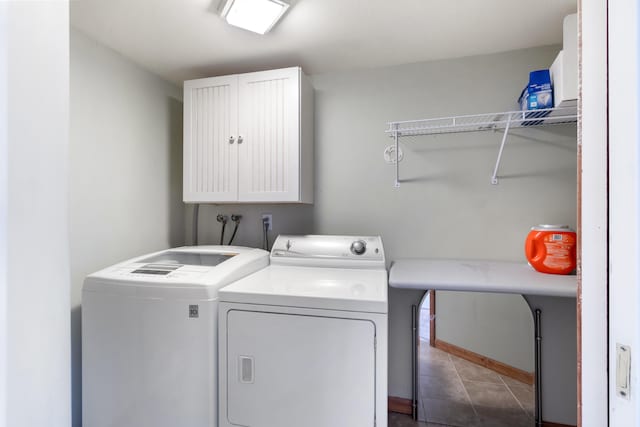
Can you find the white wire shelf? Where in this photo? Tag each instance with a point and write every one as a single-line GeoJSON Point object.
{"type": "Point", "coordinates": [483, 122]}
{"type": "Point", "coordinates": [479, 122]}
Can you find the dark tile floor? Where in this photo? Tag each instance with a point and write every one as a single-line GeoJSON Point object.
{"type": "Point", "coordinates": [456, 393]}
{"type": "Point", "coordinates": [399, 420]}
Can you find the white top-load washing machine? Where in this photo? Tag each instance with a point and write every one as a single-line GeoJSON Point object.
{"type": "Point", "coordinates": [149, 336]}
{"type": "Point", "coordinates": [303, 342]}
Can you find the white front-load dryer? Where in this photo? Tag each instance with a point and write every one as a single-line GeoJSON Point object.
{"type": "Point", "coordinates": [303, 342]}
{"type": "Point", "coordinates": [149, 336]}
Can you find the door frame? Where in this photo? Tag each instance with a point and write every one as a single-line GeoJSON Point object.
{"type": "Point", "coordinates": [592, 214]}
{"type": "Point", "coordinates": [608, 64]}
{"type": "Point", "coordinates": [624, 203]}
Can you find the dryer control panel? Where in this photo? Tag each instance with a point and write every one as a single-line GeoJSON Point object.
{"type": "Point", "coordinates": [337, 251]}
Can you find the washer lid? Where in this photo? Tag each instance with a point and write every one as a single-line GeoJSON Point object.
{"type": "Point", "coordinates": [348, 289]}
{"type": "Point", "coordinates": [205, 267]}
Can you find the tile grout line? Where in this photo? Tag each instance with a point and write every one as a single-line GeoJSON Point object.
{"type": "Point", "coordinates": [466, 392]}
{"type": "Point", "coordinates": [421, 407]}
{"type": "Point", "coordinates": [450, 360]}
{"type": "Point", "coordinates": [500, 383]}
{"type": "Point", "coordinates": [512, 394]}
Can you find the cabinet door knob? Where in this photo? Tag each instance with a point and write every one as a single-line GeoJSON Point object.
{"type": "Point", "coordinates": [231, 140]}
{"type": "Point", "coordinates": [240, 140]}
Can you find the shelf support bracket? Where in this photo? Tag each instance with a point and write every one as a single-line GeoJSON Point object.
{"type": "Point", "coordinates": [396, 138]}
{"type": "Point", "coordinates": [494, 177]}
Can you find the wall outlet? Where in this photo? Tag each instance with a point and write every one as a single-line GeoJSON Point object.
{"type": "Point", "coordinates": [269, 219]}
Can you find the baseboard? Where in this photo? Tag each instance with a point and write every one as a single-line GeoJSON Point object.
{"type": "Point", "coordinates": [400, 405]}
{"type": "Point", "coordinates": [494, 365]}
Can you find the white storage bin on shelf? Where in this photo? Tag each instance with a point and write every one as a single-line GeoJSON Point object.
{"type": "Point", "coordinates": [564, 70]}
{"type": "Point", "coordinates": [479, 122]}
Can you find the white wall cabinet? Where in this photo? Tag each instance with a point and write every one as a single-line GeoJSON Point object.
{"type": "Point", "coordinates": [248, 138]}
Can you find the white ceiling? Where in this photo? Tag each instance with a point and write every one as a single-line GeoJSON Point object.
{"type": "Point", "coordinates": [185, 39]}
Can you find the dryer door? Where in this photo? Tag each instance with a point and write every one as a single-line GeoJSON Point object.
{"type": "Point", "coordinates": [287, 370]}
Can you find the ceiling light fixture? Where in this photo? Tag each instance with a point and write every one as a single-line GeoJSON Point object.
{"type": "Point", "coordinates": [258, 16]}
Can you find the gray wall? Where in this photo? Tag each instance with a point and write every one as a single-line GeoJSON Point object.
{"type": "Point", "coordinates": [125, 169]}
{"type": "Point", "coordinates": [493, 325]}
{"type": "Point", "coordinates": [34, 258]}
{"type": "Point", "coordinates": [445, 207]}
{"type": "Point", "coordinates": [287, 219]}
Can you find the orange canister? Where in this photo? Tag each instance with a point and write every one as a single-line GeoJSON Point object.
{"type": "Point", "coordinates": [551, 249]}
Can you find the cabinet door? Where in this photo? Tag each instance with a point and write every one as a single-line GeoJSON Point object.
{"type": "Point", "coordinates": [211, 140]}
{"type": "Point", "coordinates": [269, 125]}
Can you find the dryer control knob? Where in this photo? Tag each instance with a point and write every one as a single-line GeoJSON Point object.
{"type": "Point", "coordinates": [358, 247]}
